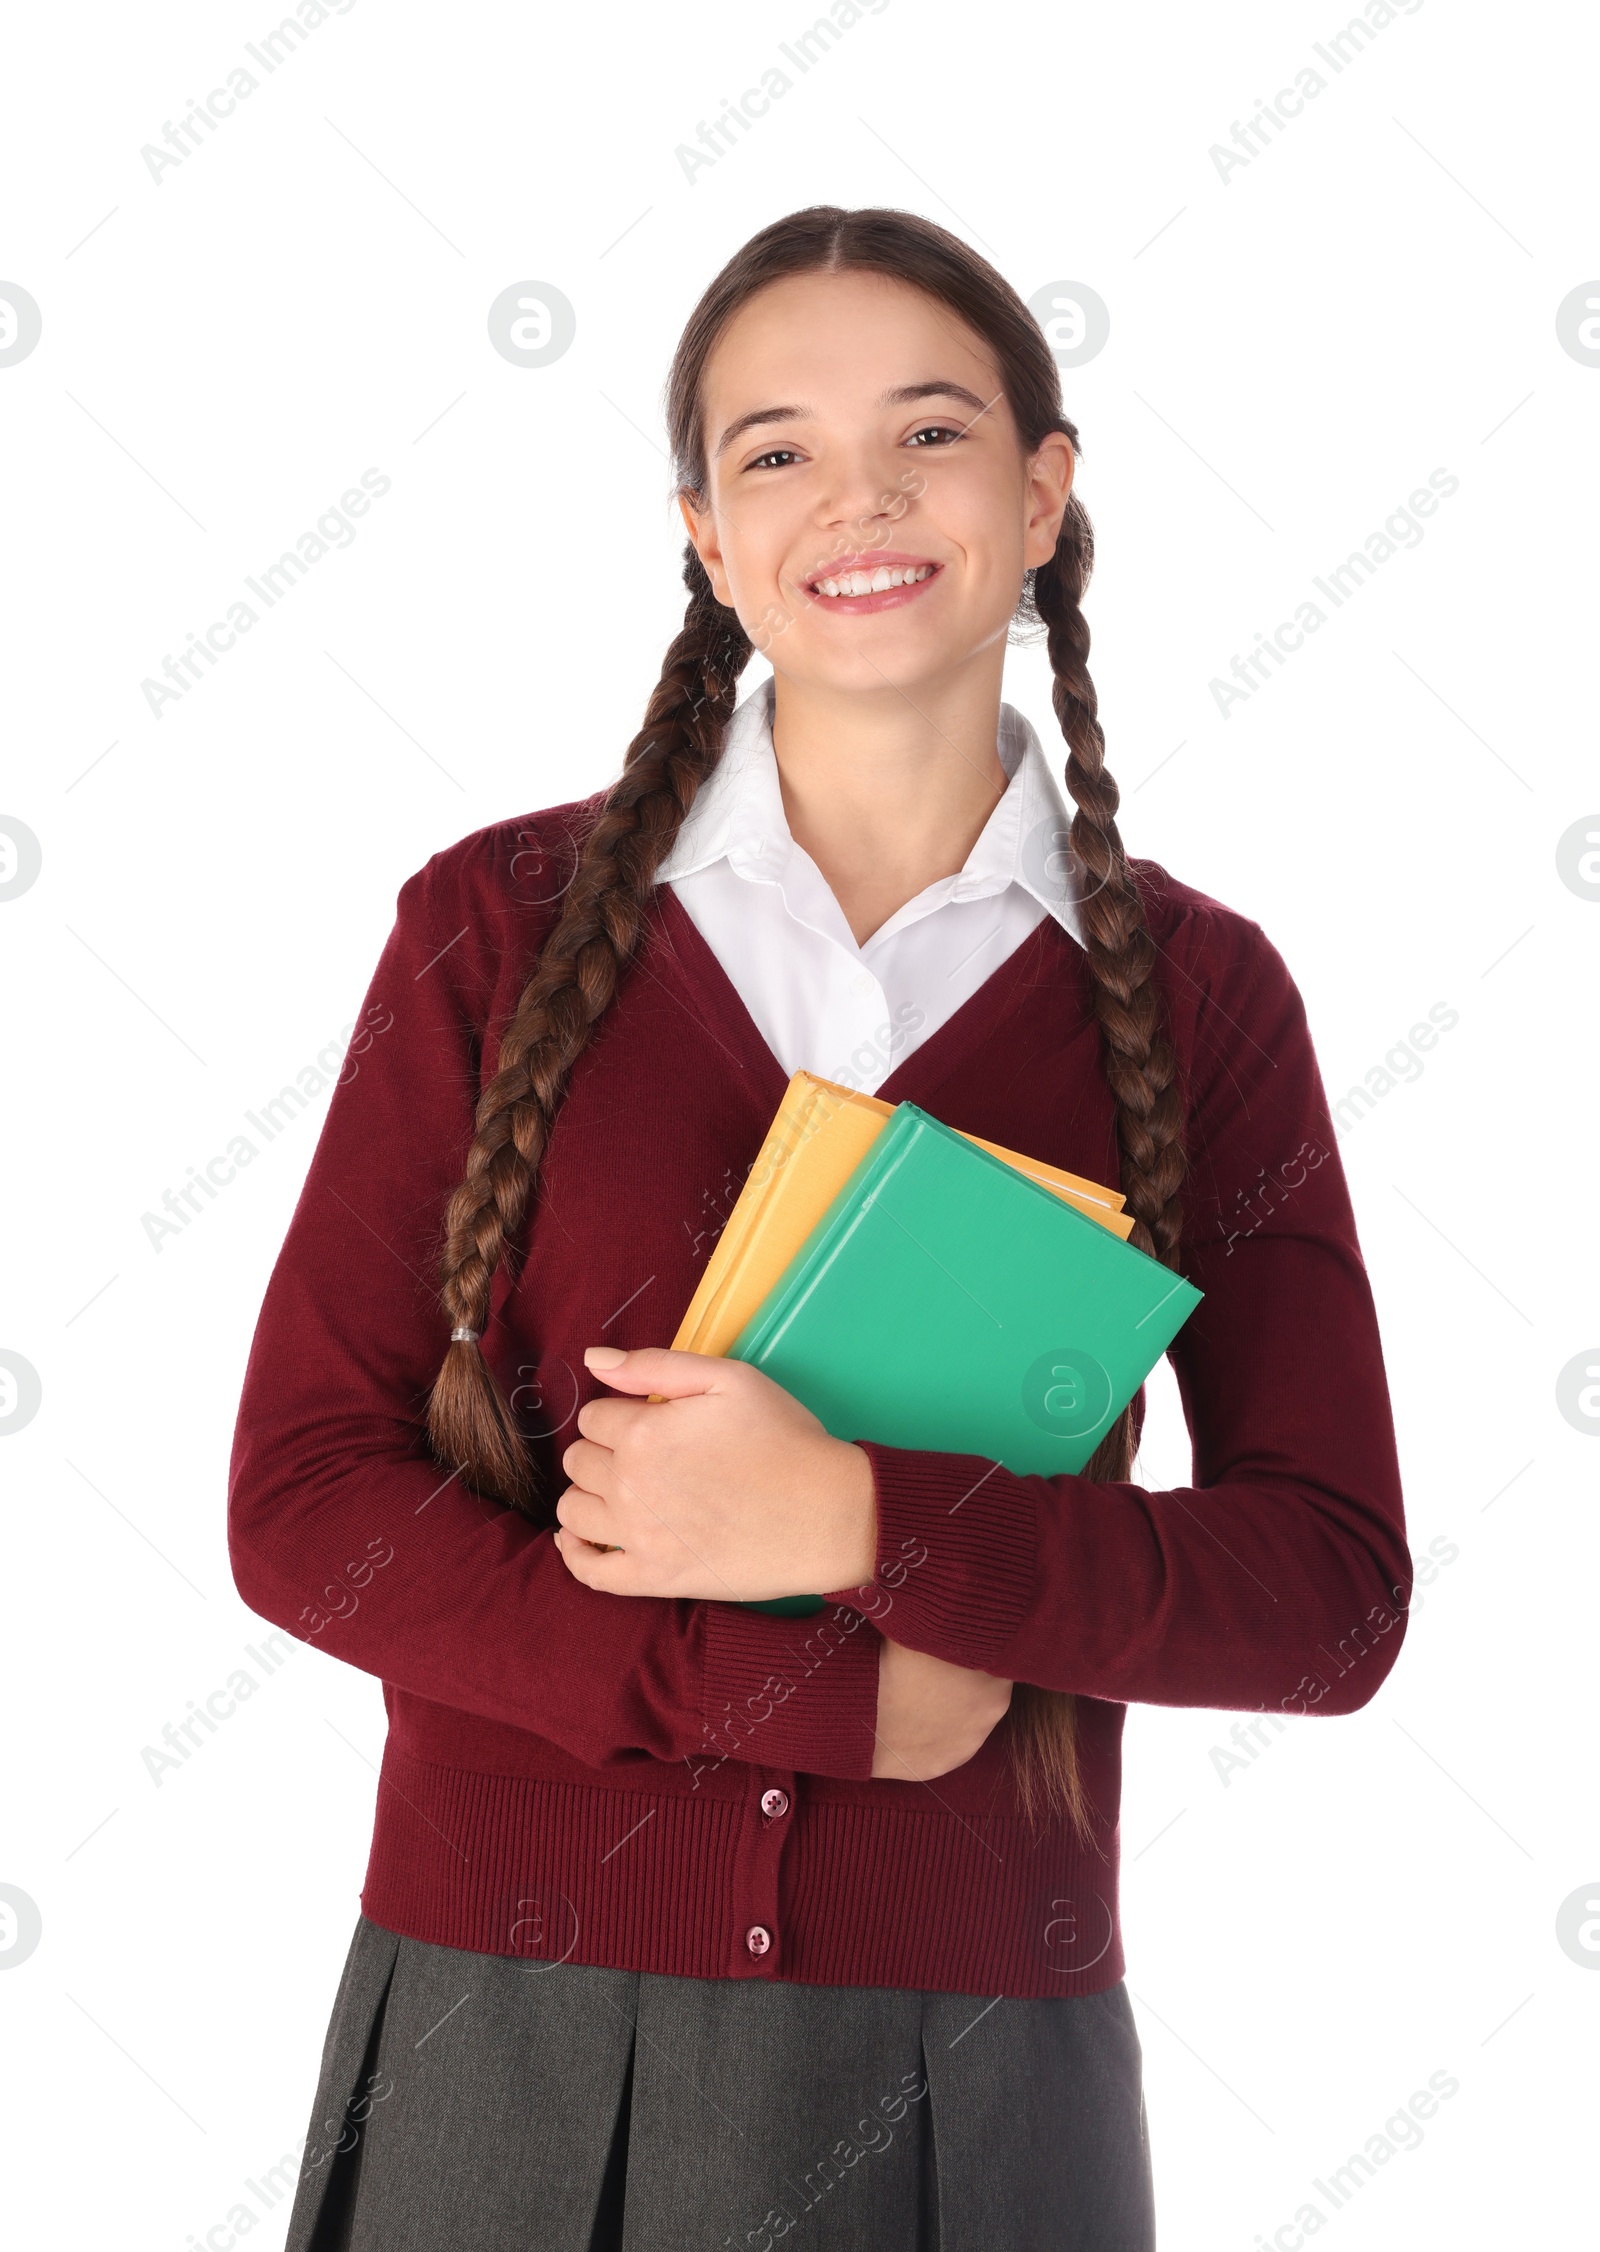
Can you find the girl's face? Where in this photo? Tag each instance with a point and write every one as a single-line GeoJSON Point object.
{"type": "Point", "coordinates": [870, 510]}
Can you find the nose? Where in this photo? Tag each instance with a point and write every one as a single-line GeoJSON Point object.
{"type": "Point", "coordinates": [862, 506]}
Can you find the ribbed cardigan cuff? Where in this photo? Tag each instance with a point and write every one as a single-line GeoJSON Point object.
{"type": "Point", "coordinates": [956, 1544]}
{"type": "Point", "coordinates": [790, 1693]}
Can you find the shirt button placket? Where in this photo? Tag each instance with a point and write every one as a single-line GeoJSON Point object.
{"type": "Point", "coordinates": [766, 1828]}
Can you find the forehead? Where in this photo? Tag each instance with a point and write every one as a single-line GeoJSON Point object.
{"type": "Point", "coordinates": [828, 340]}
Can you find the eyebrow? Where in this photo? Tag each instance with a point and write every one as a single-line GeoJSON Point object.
{"type": "Point", "coordinates": [902, 395]}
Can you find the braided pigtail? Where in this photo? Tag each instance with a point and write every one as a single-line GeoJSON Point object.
{"type": "Point", "coordinates": [1139, 1060]}
{"type": "Point", "coordinates": [1139, 1065]}
{"type": "Point", "coordinates": [575, 977]}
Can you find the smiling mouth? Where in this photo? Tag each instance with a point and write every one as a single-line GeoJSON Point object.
{"type": "Point", "coordinates": [844, 585]}
{"type": "Point", "coordinates": [870, 582]}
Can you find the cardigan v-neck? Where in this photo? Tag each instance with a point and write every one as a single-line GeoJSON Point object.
{"type": "Point", "coordinates": [685, 1787]}
{"type": "Point", "coordinates": [979, 1018]}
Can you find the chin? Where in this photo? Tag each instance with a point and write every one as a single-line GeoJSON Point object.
{"type": "Point", "coordinates": [862, 672]}
{"type": "Point", "coordinates": [887, 652]}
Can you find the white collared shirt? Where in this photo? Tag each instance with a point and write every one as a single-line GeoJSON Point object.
{"type": "Point", "coordinates": [821, 1002]}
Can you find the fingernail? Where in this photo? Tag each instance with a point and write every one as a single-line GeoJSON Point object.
{"type": "Point", "coordinates": [603, 1356]}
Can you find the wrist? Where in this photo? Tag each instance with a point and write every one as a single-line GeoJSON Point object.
{"type": "Point", "coordinates": [853, 1551]}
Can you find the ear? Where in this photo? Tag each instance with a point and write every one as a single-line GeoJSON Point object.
{"type": "Point", "coordinates": [702, 528]}
{"type": "Point", "coordinates": [1050, 475]}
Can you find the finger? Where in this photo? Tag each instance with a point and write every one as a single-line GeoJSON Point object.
{"type": "Point", "coordinates": [609, 1421]}
{"type": "Point", "coordinates": [578, 1555]}
{"type": "Point", "coordinates": [590, 1465]}
{"type": "Point", "coordinates": [607, 1572]}
{"type": "Point", "coordinates": [656, 1368]}
{"type": "Point", "coordinates": [586, 1514]}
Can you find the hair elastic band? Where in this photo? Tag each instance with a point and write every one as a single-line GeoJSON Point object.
{"type": "Point", "coordinates": [466, 1336]}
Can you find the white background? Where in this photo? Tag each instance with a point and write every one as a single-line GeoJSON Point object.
{"type": "Point", "coordinates": [1292, 350]}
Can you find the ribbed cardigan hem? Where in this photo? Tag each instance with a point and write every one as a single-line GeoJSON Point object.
{"type": "Point", "coordinates": [893, 1896]}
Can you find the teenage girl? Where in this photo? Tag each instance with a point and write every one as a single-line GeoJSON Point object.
{"type": "Point", "coordinates": [687, 1924]}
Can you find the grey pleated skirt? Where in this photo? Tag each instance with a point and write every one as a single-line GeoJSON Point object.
{"type": "Point", "coordinates": [481, 2103]}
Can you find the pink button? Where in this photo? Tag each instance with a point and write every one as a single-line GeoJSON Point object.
{"type": "Point", "coordinates": [774, 1802]}
{"type": "Point", "coordinates": [758, 1939]}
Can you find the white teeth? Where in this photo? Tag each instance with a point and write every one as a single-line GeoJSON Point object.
{"type": "Point", "coordinates": [886, 575]}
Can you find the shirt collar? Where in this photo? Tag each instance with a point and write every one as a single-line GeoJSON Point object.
{"type": "Point", "coordinates": [738, 816]}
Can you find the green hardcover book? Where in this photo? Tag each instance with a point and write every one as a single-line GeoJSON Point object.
{"type": "Point", "coordinates": [945, 1301]}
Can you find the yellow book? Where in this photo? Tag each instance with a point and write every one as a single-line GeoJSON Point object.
{"type": "Point", "coordinates": [820, 1135]}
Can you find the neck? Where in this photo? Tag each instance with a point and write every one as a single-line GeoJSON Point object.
{"type": "Point", "coordinates": [888, 790]}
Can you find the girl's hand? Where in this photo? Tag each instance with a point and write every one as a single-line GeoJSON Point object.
{"type": "Point", "coordinates": [932, 1716]}
{"type": "Point", "coordinates": [725, 1488]}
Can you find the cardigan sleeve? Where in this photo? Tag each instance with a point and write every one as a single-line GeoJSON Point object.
{"type": "Point", "coordinates": [1280, 1577]}
{"type": "Point", "coordinates": [345, 1531]}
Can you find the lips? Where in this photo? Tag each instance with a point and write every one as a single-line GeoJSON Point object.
{"type": "Point", "coordinates": [877, 579]}
{"type": "Point", "coordinates": [866, 559]}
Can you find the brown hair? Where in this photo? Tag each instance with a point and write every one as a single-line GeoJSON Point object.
{"type": "Point", "coordinates": [580, 964]}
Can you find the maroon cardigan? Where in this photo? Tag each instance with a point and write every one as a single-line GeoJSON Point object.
{"type": "Point", "coordinates": [685, 1787]}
